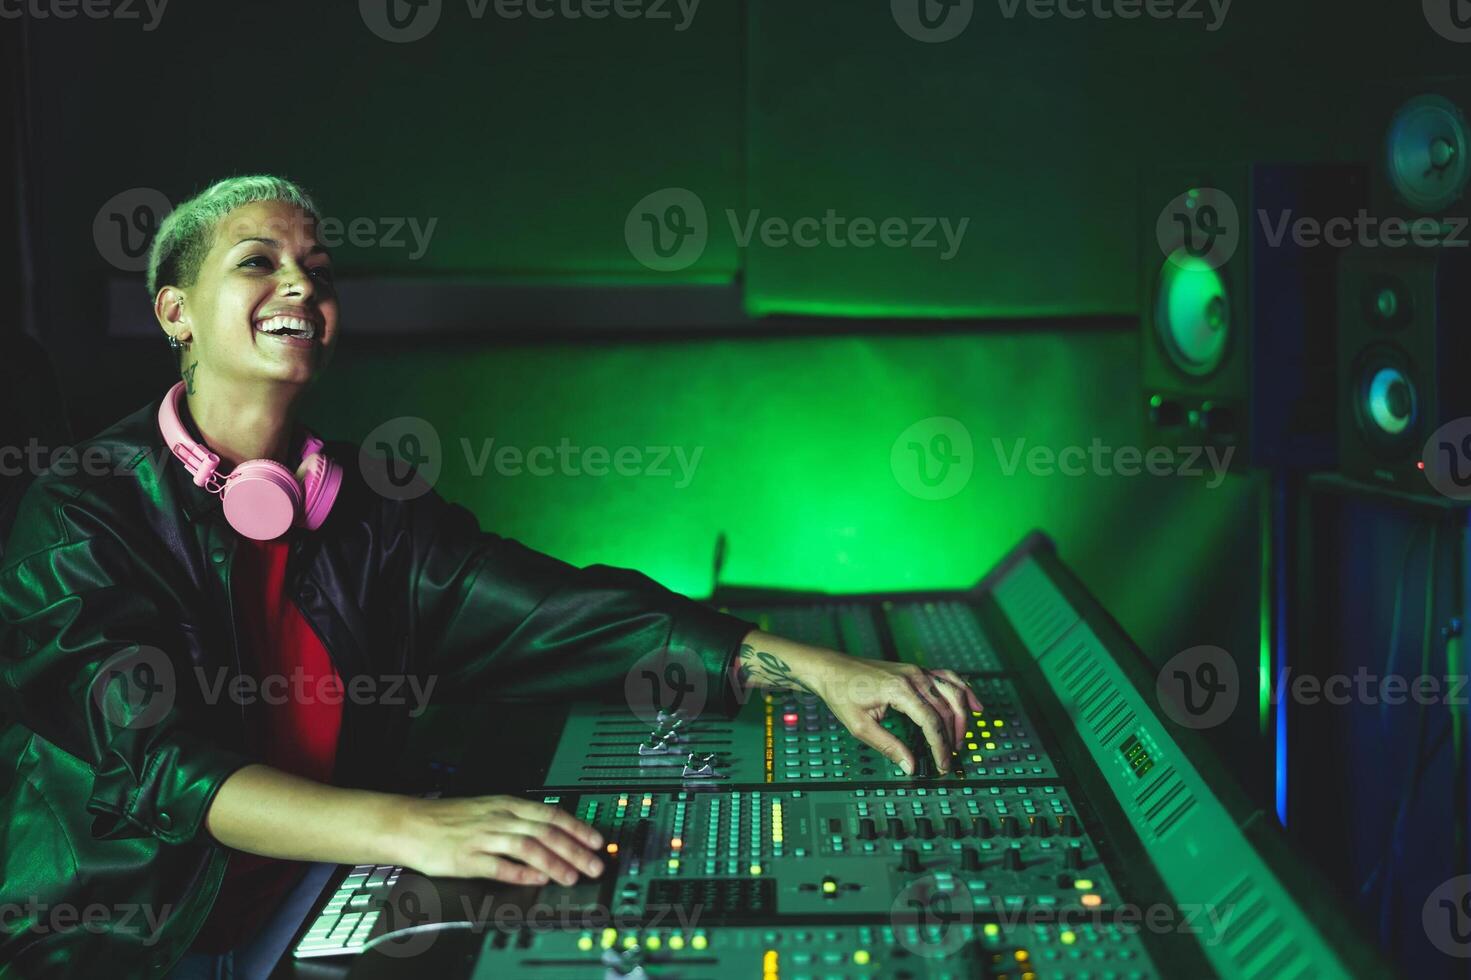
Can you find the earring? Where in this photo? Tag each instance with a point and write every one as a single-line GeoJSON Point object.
{"type": "Point", "coordinates": [175, 343]}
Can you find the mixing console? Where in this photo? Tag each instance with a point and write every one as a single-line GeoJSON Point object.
{"type": "Point", "coordinates": [743, 855]}
{"type": "Point", "coordinates": [942, 635]}
{"type": "Point", "coordinates": [773, 843]}
{"type": "Point", "coordinates": [783, 738]}
{"type": "Point", "coordinates": [934, 951]}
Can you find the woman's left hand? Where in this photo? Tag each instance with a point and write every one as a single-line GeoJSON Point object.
{"type": "Point", "coordinates": [861, 692]}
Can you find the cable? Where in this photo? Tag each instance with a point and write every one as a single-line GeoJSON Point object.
{"type": "Point", "coordinates": [421, 927]}
{"type": "Point", "coordinates": [1414, 777]}
{"type": "Point", "coordinates": [1391, 661]}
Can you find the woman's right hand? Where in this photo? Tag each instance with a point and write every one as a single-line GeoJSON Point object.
{"type": "Point", "coordinates": [500, 837]}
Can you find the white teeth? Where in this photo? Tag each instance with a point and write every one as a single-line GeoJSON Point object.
{"type": "Point", "coordinates": [295, 326]}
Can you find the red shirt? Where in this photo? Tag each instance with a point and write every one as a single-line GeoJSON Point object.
{"type": "Point", "coordinates": [295, 716]}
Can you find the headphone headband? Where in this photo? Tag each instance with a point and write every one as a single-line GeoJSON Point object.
{"type": "Point", "coordinates": [262, 498]}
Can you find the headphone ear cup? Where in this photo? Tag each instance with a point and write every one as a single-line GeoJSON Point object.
{"type": "Point", "coordinates": [261, 499]}
{"type": "Point", "coordinates": [320, 478]}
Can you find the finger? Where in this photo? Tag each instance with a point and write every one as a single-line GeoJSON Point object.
{"type": "Point", "coordinates": [561, 843]}
{"type": "Point", "coordinates": [557, 817]}
{"type": "Point", "coordinates": [907, 700]}
{"type": "Point", "coordinates": [955, 698]}
{"type": "Point", "coordinates": [888, 744]}
{"type": "Point", "coordinates": [927, 688]}
{"type": "Point", "coordinates": [932, 690]}
{"type": "Point", "coordinates": [498, 868]}
{"type": "Point", "coordinates": [972, 702]}
{"type": "Point", "coordinates": [530, 852]}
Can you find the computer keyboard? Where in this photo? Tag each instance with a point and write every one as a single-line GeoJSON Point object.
{"type": "Point", "coordinates": [343, 925]}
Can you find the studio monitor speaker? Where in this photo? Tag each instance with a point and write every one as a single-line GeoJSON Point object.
{"type": "Point", "coordinates": [1237, 308]}
{"type": "Point", "coordinates": [1404, 360]}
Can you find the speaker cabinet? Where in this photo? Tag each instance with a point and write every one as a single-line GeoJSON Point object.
{"type": "Point", "coordinates": [1421, 147]}
{"type": "Point", "coordinates": [1237, 309]}
{"type": "Point", "coordinates": [1404, 357]}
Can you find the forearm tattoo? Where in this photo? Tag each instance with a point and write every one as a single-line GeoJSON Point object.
{"type": "Point", "coordinates": [758, 668]}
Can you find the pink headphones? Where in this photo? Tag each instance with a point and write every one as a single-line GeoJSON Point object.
{"type": "Point", "coordinates": [262, 499]}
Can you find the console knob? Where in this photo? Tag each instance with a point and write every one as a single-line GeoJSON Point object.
{"type": "Point", "coordinates": [1074, 858]}
{"type": "Point", "coordinates": [953, 830]}
{"type": "Point", "coordinates": [983, 827]}
{"type": "Point", "coordinates": [925, 828]}
{"type": "Point", "coordinates": [1010, 827]}
{"type": "Point", "coordinates": [1042, 827]}
{"type": "Point", "coordinates": [866, 829]}
{"type": "Point", "coordinates": [970, 860]}
{"type": "Point", "coordinates": [909, 860]}
{"type": "Point", "coordinates": [896, 828]}
{"type": "Point", "coordinates": [1070, 826]}
{"type": "Point", "coordinates": [1012, 859]}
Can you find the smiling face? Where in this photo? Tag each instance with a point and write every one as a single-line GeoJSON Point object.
{"type": "Point", "coordinates": [264, 307]}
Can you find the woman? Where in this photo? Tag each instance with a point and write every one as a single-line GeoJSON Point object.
{"type": "Point", "coordinates": [128, 598]}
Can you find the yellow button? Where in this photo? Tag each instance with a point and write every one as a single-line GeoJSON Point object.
{"type": "Point", "coordinates": [584, 943]}
{"type": "Point", "coordinates": [699, 942]}
{"type": "Point", "coordinates": [1084, 884]}
{"type": "Point", "coordinates": [652, 942]}
{"type": "Point", "coordinates": [610, 936]}
{"type": "Point", "coordinates": [1068, 937]}
{"type": "Point", "coordinates": [676, 941]}
{"type": "Point", "coordinates": [861, 957]}
{"type": "Point", "coordinates": [755, 869]}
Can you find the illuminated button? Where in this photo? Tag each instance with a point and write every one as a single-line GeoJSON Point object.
{"type": "Point", "coordinates": [1092, 900]}
{"type": "Point", "coordinates": [652, 942]}
{"type": "Point", "coordinates": [676, 941]}
{"type": "Point", "coordinates": [699, 941]}
{"type": "Point", "coordinates": [1068, 937]}
{"type": "Point", "coordinates": [1022, 956]}
{"type": "Point", "coordinates": [630, 942]}
{"type": "Point", "coordinates": [613, 848]}
{"type": "Point", "coordinates": [861, 957]}
{"type": "Point", "coordinates": [829, 886]}
{"type": "Point", "coordinates": [1083, 884]}
{"type": "Point", "coordinates": [755, 869]}
{"type": "Point", "coordinates": [992, 930]}
{"type": "Point", "coordinates": [610, 936]}
{"type": "Point", "coordinates": [584, 942]}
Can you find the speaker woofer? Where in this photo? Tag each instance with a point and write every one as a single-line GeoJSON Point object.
{"type": "Point", "coordinates": [1192, 314]}
{"type": "Point", "coordinates": [1387, 401]}
{"type": "Point", "coordinates": [1426, 153]}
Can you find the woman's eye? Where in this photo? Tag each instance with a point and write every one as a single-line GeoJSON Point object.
{"type": "Point", "coordinates": [255, 258]}
{"type": "Point", "coordinates": [322, 271]}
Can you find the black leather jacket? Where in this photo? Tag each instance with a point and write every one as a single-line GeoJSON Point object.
{"type": "Point", "coordinates": [106, 774]}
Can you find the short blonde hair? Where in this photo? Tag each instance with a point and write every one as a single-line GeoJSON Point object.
{"type": "Point", "coordinates": [187, 234]}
